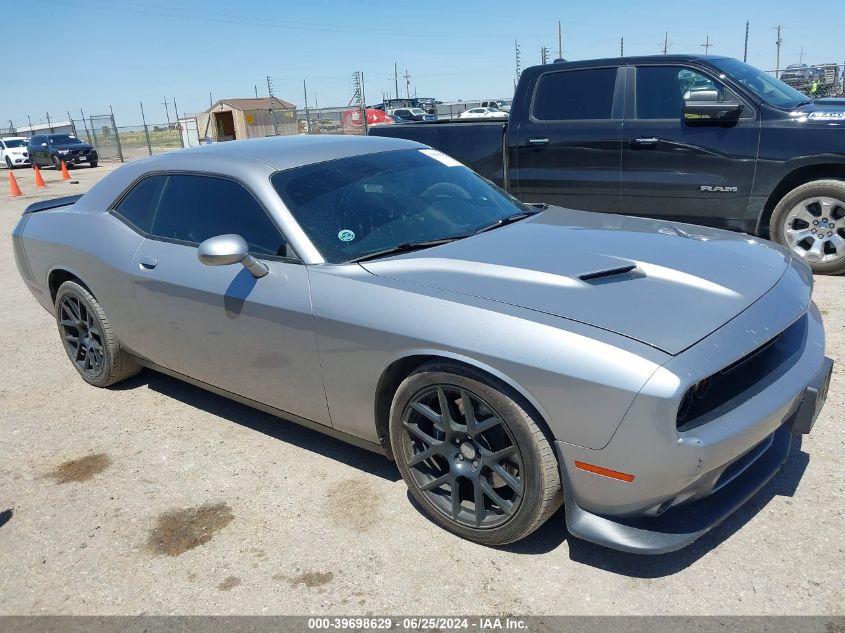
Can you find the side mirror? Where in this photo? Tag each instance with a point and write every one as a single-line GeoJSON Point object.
{"type": "Point", "coordinates": [223, 250]}
{"type": "Point", "coordinates": [705, 104]}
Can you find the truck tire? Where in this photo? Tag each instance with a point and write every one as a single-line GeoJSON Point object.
{"type": "Point", "coordinates": [810, 221]}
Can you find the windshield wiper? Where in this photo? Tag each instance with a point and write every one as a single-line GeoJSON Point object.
{"type": "Point", "coordinates": [516, 217]}
{"type": "Point", "coordinates": [406, 247]}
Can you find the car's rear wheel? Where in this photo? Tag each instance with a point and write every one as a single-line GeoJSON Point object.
{"type": "Point", "coordinates": [475, 460]}
{"type": "Point", "coordinates": [88, 338]}
{"type": "Point", "coordinates": [810, 221]}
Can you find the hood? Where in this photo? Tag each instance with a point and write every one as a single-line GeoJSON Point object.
{"type": "Point", "coordinates": [824, 111]}
{"type": "Point", "coordinates": [84, 146]}
{"type": "Point", "coordinates": [665, 284]}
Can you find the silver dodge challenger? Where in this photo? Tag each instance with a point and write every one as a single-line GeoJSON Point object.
{"type": "Point", "coordinates": [510, 358]}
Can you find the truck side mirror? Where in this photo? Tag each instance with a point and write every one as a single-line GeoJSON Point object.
{"type": "Point", "coordinates": [704, 105]}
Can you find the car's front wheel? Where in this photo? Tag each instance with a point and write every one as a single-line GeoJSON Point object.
{"type": "Point", "coordinates": [92, 163]}
{"type": "Point", "coordinates": [88, 339]}
{"type": "Point", "coordinates": [475, 460]}
{"type": "Point", "coordinates": [9, 163]}
{"type": "Point", "coordinates": [810, 221]}
{"type": "Point", "coordinates": [57, 162]}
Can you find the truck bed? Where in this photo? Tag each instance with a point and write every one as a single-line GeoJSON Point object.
{"type": "Point", "coordinates": [478, 145]}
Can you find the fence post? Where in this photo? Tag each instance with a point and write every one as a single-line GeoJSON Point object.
{"type": "Point", "coordinates": [178, 125]}
{"type": "Point", "coordinates": [146, 131]}
{"type": "Point", "coordinates": [93, 134]}
{"type": "Point", "coordinates": [72, 124]}
{"type": "Point", "coordinates": [363, 105]}
{"type": "Point", "coordinates": [116, 135]}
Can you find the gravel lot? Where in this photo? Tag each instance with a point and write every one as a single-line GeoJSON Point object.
{"type": "Point", "coordinates": [157, 497]}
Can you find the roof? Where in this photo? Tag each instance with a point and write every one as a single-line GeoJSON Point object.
{"type": "Point", "coordinates": [259, 103]}
{"type": "Point", "coordinates": [283, 152]}
{"type": "Point", "coordinates": [625, 61]}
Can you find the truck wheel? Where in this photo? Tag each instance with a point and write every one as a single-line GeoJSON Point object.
{"type": "Point", "coordinates": [810, 221]}
{"type": "Point", "coordinates": [476, 462]}
{"type": "Point", "coordinates": [88, 338]}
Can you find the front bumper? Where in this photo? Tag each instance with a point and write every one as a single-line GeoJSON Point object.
{"type": "Point", "coordinates": [18, 159]}
{"type": "Point", "coordinates": [78, 159]}
{"type": "Point", "coordinates": [735, 483]}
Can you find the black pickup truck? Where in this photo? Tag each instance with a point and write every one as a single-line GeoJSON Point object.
{"type": "Point", "coordinates": [699, 139]}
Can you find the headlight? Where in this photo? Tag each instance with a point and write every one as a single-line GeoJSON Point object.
{"type": "Point", "coordinates": [63, 151]}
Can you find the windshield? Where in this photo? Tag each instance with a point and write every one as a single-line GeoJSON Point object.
{"type": "Point", "coordinates": [417, 111]}
{"type": "Point", "coordinates": [354, 206]}
{"type": "Point", "coordinates": [64, 139]}
{"type": "Point", "coordinates": [15, 142]}
{"type": "Point", "coordinates": [771, 90]}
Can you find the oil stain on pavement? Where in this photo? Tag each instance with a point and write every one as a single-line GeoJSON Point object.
{"type": "Point", "coordinates": [178, 531]}
{"type": "Point", "coordinates": [81, 469]}
{"type": "Point", "coordinates": [311, 579]}
{"type": "Point", "coordinates": [356, 503]}
{"type": "Point", "coordinates": [230, 583]}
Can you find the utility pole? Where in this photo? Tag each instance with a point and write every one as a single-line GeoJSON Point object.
{"type": "Point", "coordinates": [166, 112]}
{"type": "Point", "coordinates": [307, 116]}
{"type": "Point", "coordinates": [256, 90]}
{"type": "Point", "coordinates": [801, 56]}
{"type": "Point", "coordinates": [407, 79]}
{"type": "Point", "coordinates": [666, 43]}
{"type": "Point", "coordinates": [544, 55]}
{"type": "Point", "coordinates": [396, 80]}
{"type": "Point", "coordinates": [622, 46]}
{"type": "Point", "coordinates": [518, 62]}
{"type": "Point", "coordinates": [270, 105]}
{"type": "Point", "coordinates": [559, 41]}
{"type": "Point", "coordinates": [778, 42]}
{"type": "Point", "coordinates": [706, 46]}
{"type": "Point", "coordinates": [745, 54]}
{"type": "Point", "coordinates": [50, 123]}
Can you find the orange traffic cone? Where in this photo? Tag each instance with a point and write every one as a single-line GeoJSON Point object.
{"type": "Point", "coordinates": [39, 181]}
{"type": "Point", "coordinates": [65, 174]}
{"type": "Point", "coordinates": [13, 183]}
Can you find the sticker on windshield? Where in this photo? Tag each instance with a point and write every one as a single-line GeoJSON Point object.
{"type": "Point", "coordinates": [441, 157]}
{"type": "Point", "coordinates": [346, 235]}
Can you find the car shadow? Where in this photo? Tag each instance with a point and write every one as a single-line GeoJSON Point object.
{"type": "Point", "coordinates": [545, 539]}
{"type": "Point", "coordinates": [270, 425]}
{"type": "Point", "coordinates": [553, 533]}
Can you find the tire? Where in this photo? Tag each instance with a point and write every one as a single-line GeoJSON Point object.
{"type": "Point", "coordinates": [102, 362]}
{"type": "Point", "coordinates": [57, 162]}
{"type": "Point", "coordinates": [505, 459]}
{"type": "Point", "coordinates": [9, 163]}
{"type": "Point", "coordinates": [814, 209]}
{"type": "Point", "coordinates": [92, 163]}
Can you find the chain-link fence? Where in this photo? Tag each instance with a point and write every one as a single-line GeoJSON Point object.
{"type": "Point", "coordinates": [817, 82]}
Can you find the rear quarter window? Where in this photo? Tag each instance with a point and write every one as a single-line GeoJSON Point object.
{"type": "Point", "coordinates": [139, 205]}
{"type": "Point", "coordinates": [573, 95]}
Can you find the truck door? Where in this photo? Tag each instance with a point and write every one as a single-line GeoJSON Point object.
{"type": "Point", "coordinates": [689, 168]}
{"type": "Point", "coordinates": [567, 149]}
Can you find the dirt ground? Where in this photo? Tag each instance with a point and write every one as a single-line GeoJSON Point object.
{"type": "Point", "coordinates": [156, 497]}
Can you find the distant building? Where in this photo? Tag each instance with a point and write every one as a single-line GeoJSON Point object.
{"type": "Point", "coordinates": [231, 119]}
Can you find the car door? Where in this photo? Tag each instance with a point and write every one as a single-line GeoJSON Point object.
{"type": "Point", "coordinates": [568, 149]}
{"type": "Point", "coordinates": [686, 168]}
{"type": "Point", "coordinates": [219, 324]}
{"type": "Point", "coordinates": [34, 149]}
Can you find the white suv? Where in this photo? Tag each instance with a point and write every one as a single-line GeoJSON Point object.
{"type": "Point", "coordinates": [13, 151]}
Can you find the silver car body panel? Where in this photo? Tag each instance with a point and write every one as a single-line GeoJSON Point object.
{"type": "Point", "coordinates": [604, 360]}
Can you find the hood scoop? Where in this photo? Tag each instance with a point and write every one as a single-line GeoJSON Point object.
{"type": "Point", "coordinates": [599, 276]}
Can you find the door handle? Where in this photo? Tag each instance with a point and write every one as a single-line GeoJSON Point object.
{"type": "Point", "coordinates": [148, 262]}
{"type": "Point", "coordinates": [538, 141]}
{"type": "Point", "coordinates": [645, 141]}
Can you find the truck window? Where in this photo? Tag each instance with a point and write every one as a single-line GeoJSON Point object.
{"type": "Point", "coordinates": [661, 90]}
{"type": "Point", "coordinates": [575, 95]}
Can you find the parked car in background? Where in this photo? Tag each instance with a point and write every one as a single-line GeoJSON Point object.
{"type": "Point", "coordinates": [482, 113]}
{"type": "Point", "coordinates": [412, 114]}
{"type": "Point", "coordinates": [510, 358]}
{"type": "Point", "coordinates": [800, 73]}
{"type": "Point", "coordinates": [13, 151]}
{"type": "Point", "coordinates": [51, 149]}
{"type": "Point", "coordinates": [700, 139]}
{"type": "Point", "coordinates": [498, 104]}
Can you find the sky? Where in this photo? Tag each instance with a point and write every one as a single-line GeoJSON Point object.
{"type": "Point", "coordinates": [94, 54]}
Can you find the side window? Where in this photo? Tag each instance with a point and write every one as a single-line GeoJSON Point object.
{"type": "Point", "coordinates": [575, 95]}
{"type": "Point", "coordinates": [138, 206]}
{"type": "Point", "coordinates": [195, 208]}
{"type": "Point", "coordinates": [661, 90]}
